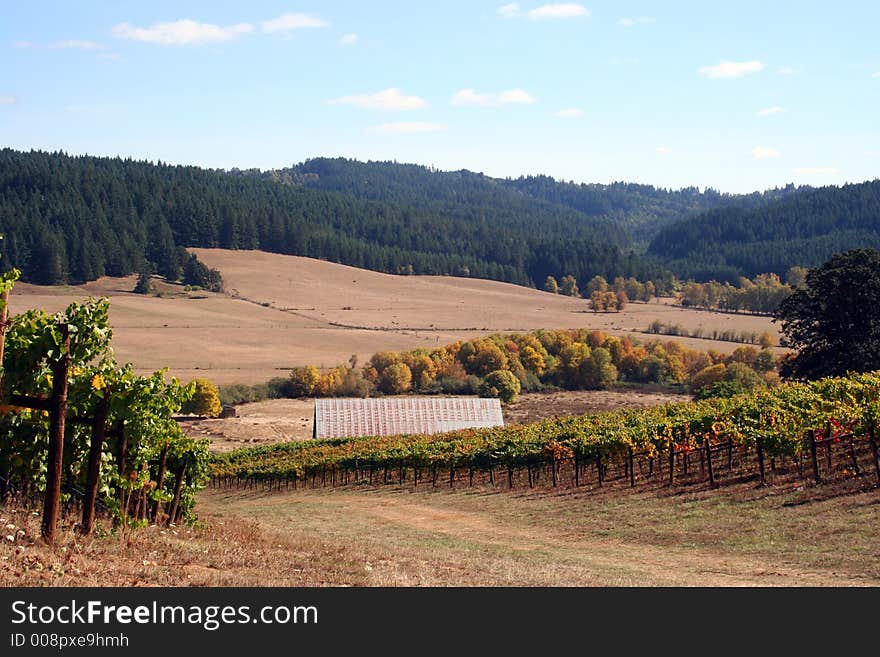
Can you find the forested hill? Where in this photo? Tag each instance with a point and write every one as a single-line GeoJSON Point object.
{"type": "Point", "coordinates": [803, 230]}
{"type": "Point", "coordinates": [638, 210]}
{"type": "Point", "coordinates": [72, 219]}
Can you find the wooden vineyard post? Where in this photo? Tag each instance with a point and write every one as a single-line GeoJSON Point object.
{"type": "Point", "coordinates": [121, 455]}
{"type": "Point", "coordinates": [828, 447]}
{"type": "Point", "coordinates": [872, 437]}
{"type": "Point", "coordinates": [509, 475]}
{"type": "Point", "coordinates": [491, 471]}
{"type": "Point", "coordinates": [93, 470]}
{"type": "Point", "coordinates": [451, 476]}
{"type": "Point", "coordinates": [599, 466]}
{"type": "Point", "coordinates": [529, 468]}
{"type": "Point", "coordinates": [160, 480]}
{"type": "Point", "coordinates": [54, 460]}
{"type": "Point", "coordinates": [709, 464]}
{"type": "Point", "coordinates": [434, 476]}
{"type": "Point", "coordinates": [178, 485]}
{"type": "Point", "coordinates": [760, 446]}
{"type": "Point", "coordinates": [632, 476]}
{"type": "Point", "coordinates": [671, 463]}
{"type": "Point", "coordinates": [471, 476]}
{"type": "Point", "coordinates": [814, 456]}
{"type": "Point", "coordinates": [553, 470]}
{"type": "Point", "coordinates": [577, 470]}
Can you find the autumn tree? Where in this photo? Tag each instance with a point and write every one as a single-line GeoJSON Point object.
{"type": "Point", "coordinates": [395, 379]}
{"type": "Point", "coordinates": [570, 286]}
{"type": "Point", "coordinates": [302, 381]}
{"type": "Point", "coordinates": [205, 400]}
{"type": "Point", "coordinates": [551, 286]}
{"type": "Point", "coordinates": [501, 384]}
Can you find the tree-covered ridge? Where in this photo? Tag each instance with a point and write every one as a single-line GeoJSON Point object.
{"type": "Point", "coordinates": [635, 210]}
{"type": "Point", "coordinates": [803, 230]}
{"type": "Point", "coordinates": [642, 210]}
{"type": "Point", "coordinates": [73, 219]}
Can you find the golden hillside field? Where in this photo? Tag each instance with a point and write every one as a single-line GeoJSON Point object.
{"type": "Point", "coordinates": [283, 311]}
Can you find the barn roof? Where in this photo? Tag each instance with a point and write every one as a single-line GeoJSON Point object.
{"type": "Point", "coordinates": [390, 416]}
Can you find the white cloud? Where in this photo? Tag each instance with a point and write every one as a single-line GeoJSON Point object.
{"type": "Point", "coordinates": [74, 43]}
{"type": "Point", "coordinates": [876, 75]}
{"type": "Point", "coordinates": [408, 128]}
{"type": "Point", "coordinates": [772, 111]}
{"type": "Point", "coordinates": [630, 22]}
{"type": "Point", "coordinates": [509, 11]}
{"type": "Point", "coordinates": [8, 100]}
{"type": "Point", "coordinates": [389, 99]}
{"type": "Point", "coordinates": [181, 33]}
{"type": "Point", "coordinates": [287, 22]}
{"type": "Point", "coordinates": [24, 45]}
{"type": "Point", "coordinates": [726, 70]}
{"type": "Point", "coordinates": [571, 113]}
{"type": "Point", "coordinates": [562, 10]}
{"type": "Point", "coordinates": [815, 171]}
{"type": "Point", "coordinates": [470, 98]}
{"type": "Point", "coordinates": [786, 71]}
{"type": "Point", "coordinates": [764, 153]}
{"type": "Point", "coordinates": [348, 39]}
{"type": "Point", "coordinates": [663, 150]}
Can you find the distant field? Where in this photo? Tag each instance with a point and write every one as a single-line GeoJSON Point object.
{"type": "Point", "coordinates": [284, 311]}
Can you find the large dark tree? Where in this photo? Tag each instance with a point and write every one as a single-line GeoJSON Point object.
{"type": "Point", "coordinates": [834, 322]}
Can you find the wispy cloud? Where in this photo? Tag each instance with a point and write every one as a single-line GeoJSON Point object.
{"type": "Point", "coordinates": [561, 10]}
{"type": "Point", "coordinates": [570, 113]}
{"type": "Point", "coordinates": [876, 75]}
{"type": "Point", "coordinates": [804, 172]}
{"type": "Point", "coordinates": [727, 70]}
{"type": "Point", "coordinates": [772, 111]}
{"type": "Point", "coordinates": [764, 153]}
{"type": "Point", "coordinates": [408, 128]}
{"type": "Point", "coordinates": [786, 71]}
{"type": "Point", "coordinates": [76, 44]}
{"type": "Point", "coordinates": [348, 39]}
{"type": "Point", "coordinates": [181, 33]}
{"type": "Point", "coordinates": [8, 100]}
{"type": "Point", "coordinates": [389, 99]}
{"type": "Point", "coordinates": [631, 22]}
{"type": "Point", "coordinates": [292, 21]}
{"type": "Point", "coordinates": [509, 11]}
{"type": "Point", "coordinates": [471, 98]}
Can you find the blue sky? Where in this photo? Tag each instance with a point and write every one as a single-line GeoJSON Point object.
{"type": "Point", "coordinates": [738, 95]}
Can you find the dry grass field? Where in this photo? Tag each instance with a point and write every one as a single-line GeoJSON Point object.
{"type": "Point", "coordinates": [736, 536]}
{"type": "Point", "coordinates": [284, 311]}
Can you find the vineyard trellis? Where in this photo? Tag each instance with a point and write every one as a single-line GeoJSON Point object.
{"type": "Point", "coordinates": [769, 433]}
{"type": "Point", "coordinates": [75, 425]}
